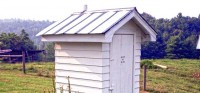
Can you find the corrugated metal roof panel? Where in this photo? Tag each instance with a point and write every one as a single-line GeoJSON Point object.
{"type": "Point", "coordinates": [49, 28]}
{"type": "Point", "coordinates": [88, 22]}
{"type": "Point", "coordinates": [96, 23]}
{"type": "Point", "coordinates": [62, 24]}
{"type": "Point", "coordinates": [76, 22]}
{"type": "Point", "coordinates": [110, 22]}
{"type": "Point", "coordinates": [84, 23]}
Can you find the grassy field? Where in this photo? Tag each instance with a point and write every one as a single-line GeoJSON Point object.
{"type": "Point", "coordinates": [180, 77]}
{"type": "Point", "coordinates": [37, 80]}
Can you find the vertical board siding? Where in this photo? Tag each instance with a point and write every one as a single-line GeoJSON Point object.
{"type": "Point", "coordinates": [130, 28]}
{"type": "Point", "coordinates": [127, 70]}
{"type": "Point", "coordinates": [87, 64]}
{"type": "Point", "coordinates": [122, 63]}
{"type": "Point", "coordinates": [114, 67]}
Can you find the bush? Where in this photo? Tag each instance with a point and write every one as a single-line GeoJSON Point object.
{"type": "Point", "coordinates": [148, 63]}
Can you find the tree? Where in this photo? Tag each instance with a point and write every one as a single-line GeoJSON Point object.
{"type": "Point", "coordinates": [173, 47]}
{"type": "Point", "coordinates": [15, 42]}
{"type": "Point", "coordinates": [49, 48]}
{"type": "Point", "coordinates": [9, 41]}
{"type": "Point", "coordinates": [25, 42]}
{"type": "Point", "coordinates": [177, 37]}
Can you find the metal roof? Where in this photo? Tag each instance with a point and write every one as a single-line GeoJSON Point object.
{"type": "Point", "coordinates": [88, 22]}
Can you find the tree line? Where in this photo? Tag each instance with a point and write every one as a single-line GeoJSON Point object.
{"type": "Point", "coordinates": [12, 36]}
{"type": "Point", "coordinates": [22, 42]}
{"type": "Point", "coordinates": [177, 37]}
{"type": "Point", "coordinates": [16, 42]}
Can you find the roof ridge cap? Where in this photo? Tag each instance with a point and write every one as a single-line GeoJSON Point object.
{"type": "Point", "coordinates": [107, 10]}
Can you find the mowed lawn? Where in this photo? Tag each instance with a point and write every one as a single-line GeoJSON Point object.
{"type": "Point", "coordinates": [182, 76]}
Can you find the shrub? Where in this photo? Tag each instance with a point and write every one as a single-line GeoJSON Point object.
{"type": "Point", "coordinates": [148, 63]}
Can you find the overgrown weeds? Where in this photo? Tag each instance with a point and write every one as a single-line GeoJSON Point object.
{"type": "Point", "coordinates": [37, 68]}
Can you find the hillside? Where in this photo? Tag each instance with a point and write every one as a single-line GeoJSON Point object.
{"type": "Point", "coordinates": [30, 26]}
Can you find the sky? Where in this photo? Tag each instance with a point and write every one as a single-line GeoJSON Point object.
{"type": "Point", "coordinates": [54, 10]}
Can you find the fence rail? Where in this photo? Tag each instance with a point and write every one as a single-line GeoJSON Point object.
{"type": "Point", "coordinates": [11, 55]}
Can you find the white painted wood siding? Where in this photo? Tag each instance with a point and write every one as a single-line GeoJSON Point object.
{"type": "Point", "coordinates": [137, 59]}
{"type": "Point", "coordinates": [81, 88]}
{"type": "Point", "coordinates": [74, 38]}
{"type": "Point", "coordinates": [87, 64]}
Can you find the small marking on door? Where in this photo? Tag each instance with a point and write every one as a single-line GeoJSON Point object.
{"type": "Point", "coordinates": [122, 59]}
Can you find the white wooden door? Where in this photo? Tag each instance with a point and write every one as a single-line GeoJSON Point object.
{"type": "Point", "coordinates": [121, 65]}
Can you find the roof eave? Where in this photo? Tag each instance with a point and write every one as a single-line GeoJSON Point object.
{"type": "Point", "coordinates": [148, 30]}
{"type": "Point", "coordinates": [74, 38]}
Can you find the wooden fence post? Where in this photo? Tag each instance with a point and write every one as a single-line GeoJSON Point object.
{"type": "Point", "coordinates": [145, 76]}
{"type": "Point", "coordinates": [69, 85]}
{"type": "Point", "coordinates": [23, 62]}
{"type": "Point", "coordinates": [45, 56]}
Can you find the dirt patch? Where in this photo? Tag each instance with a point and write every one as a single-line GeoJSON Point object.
{"type": "Point", "coordinates": [196, 75]}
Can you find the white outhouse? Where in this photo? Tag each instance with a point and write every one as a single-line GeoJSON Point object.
{"type": "Point", "coordinates": [99, 50]}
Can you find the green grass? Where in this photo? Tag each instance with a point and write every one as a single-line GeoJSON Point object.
{"type": "Point", "coordinates": [36, 68]}
{"type": "Point", "coordinates": [16, 82]}
{"type": "Point", "coordinates": [37, 80]}
{"type": "Point", "coordinates": [178, 78]}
